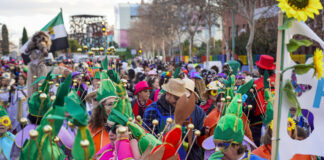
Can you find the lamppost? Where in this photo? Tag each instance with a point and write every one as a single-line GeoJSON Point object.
{"type": "Point", "coordinates": [233, 32]}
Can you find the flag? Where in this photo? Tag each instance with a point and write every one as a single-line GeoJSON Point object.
{"type": "Point", "coordinates": [55, 28]}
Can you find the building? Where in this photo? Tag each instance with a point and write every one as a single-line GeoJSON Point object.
{"type": "Point", "coordinates": [125, 13]}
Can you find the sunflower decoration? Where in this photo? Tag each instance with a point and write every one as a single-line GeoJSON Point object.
{"type": "Point", "coordinates": [318, 63]}
{"type": "Point", "coordinates": [291, 124]}
{"type": "Point", "coordinates": [300, 9]}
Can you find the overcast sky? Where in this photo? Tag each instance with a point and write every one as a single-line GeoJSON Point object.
{"type": "Point", "coordinates": [34, 14]}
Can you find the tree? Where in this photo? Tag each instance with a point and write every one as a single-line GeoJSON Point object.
{"type": "Point", "coordinates": [5, 40]}
{"type": "Point", "coordinates": [24, 38]}
{"type": "Point", "coordinates": [74, 45]}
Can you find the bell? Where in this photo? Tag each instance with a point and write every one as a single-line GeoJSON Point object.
{"type": "Point", "coordinates": [53, 98]}
{"type": "Point", "coordinates": [155, 122]}
{"type": "Point", "coordinates": [239, 101]}
{"type": "Point", "coordinates": [60, 76]}
{"type": "Point", "coordinates": [254, 85]}
{"type": "Point", "coordinates": [23, 121]}
{"type": "Point", "coordinates": [130, 119]}
{"type": "Point", "coordinates": [50, 82]}
{"type": "Point", "coordinates": [87, 83]}
{"type": "Point", "coordinates": [251, 90]}
{"type": "Point", "coordinates": [43, 96]}
{"type": "Point", "coordinates": [39, 91]}
{"type": "Point", "coordinates": [138, 118]}
{"type": "Point", "coordinates": [34, 77]}
{"type": "Point", "coordinates": [47, 129]}
{"type": "Point", "coordinates": [56, 139]}
{"type": "Point", "coordinates": [191, 126]}
{"type": "Point", "coordinates": [268, 80]}
{"type": "Point", "coordinates": [33, 134]}
{"type": "Point", "coordinates": [75, 84]}
{"type": "Point", "coordinates": [223, 99]}
{"type": "Point", "coordinates": [70, 124]}
{"type": "Point", "coordinates": [57, 84]}
{"type": "Point", "coordinates": [250, 107]}
{"type": "Point", "coordinates": [228, 98]}
{"type": "Point", "coordinates": [84, 143]}
{"type": "Point", "coordinates": [169, 120]}
{"type": "Point", "coordinates": [197, 133]}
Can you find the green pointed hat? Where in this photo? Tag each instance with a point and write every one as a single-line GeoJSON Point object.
{"type": "Point", "coordinates": [235, 66]}
{"type": "Point", "coordinates": [39, 102]}
{"type": "Point", "coordinates": [79, 115]}
{"type": "Point", "coordinates": [113, 76]}
{"type": "Point", "coordinates": [76, 109]}
{"type": "Point", "coordinates": [235, 107]}
{"type": "Point", "coordinates": [268, 98]}
{"type": "Point", "coordinates": [106, 89]}
{"type": "Point", "coordinates": [144, 139]}
{"type": "Point", "coordinates": [229, 128]}
{"type": "Point", "coordinates": [101, 75]}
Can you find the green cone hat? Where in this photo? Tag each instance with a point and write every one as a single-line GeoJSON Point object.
{"type": "Point", "coordinates": [235, 107]}
{"type": "Point", "coordinates": [106, 89]}
{"type": "Point", "coordinates": [114, 76]}
{"type": "Point", "coordinates": [229, 128]}
{"type": "Point", "coordinates": [235, 66]}
{"type": "Point", "coordinates": [76, 109]}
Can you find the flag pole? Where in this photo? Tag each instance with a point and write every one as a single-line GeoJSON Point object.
{"type": "Point", "coordinates": [278, 91]}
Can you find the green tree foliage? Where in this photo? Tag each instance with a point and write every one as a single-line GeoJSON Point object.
{"type": "Point", "coordinates": [125, 55]}
{"type": "Point", "coordinates": [264, 40]}
{"type": "Point", "coordinates": [24, 38]}
{"type": "Point", "coordinates": [74, 45]}
{"type": "Point", "coordinates": [5, 40]}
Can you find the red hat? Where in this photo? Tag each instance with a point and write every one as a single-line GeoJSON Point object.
{"type": "Point", "coordinates": [266, 62]}
{"type": "Point", "coordinates": [140, 86]}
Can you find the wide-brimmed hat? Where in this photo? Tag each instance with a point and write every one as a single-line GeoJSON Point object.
{"type": "Point", "coordinates": [140, 86]}
{"type": "Point", "coordinates": [266, 62]}
{"type": "Point", "coordinates": [190, 85]}
{"type": "Point", "coordinates": [175, 87]}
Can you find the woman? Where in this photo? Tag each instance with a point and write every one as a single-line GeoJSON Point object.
{"type": "Point", "coordinates": [154, 84]}
{"type": "Point", "coordinates": [18, 107]}
{"type": "Point", "coordinates": [213, 96]}
{"type": "Point", "coordinates": [142, 92]}
{"type": "Point", "coordinates": [97, 124]}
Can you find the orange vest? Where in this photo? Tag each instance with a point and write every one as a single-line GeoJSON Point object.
{"type": "Point", "coordinates": [100, 138]}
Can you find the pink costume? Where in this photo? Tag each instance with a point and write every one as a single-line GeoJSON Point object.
{"type": "Point", "coordinates": [122, 147]}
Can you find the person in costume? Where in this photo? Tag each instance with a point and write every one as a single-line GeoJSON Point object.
{"type": "Point", "coordinates": [257, 100]}
{"type": "Point", "coordinates": [6, 137]}
{"type": "Point", "coordinates": [97, 124]}
{"type": "Point", "coordinates": [18, 107]}
{"type": "Point", "coordinates": [142, 93]}
{"type": "Point", "coordinates": [229, 135]}
{"type": "Point", "coordinates": [6, 90]}
{"type": "Point", "coordinates": [213, 95]}
{"type": "Point", "coordinates": [164, 107]}
{"type": "Point", "coordinates": [39, 103]}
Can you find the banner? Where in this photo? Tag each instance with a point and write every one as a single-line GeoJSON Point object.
{"type": "Point", "coordinates": [312, 100]}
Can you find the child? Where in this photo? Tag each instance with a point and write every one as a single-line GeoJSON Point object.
{"type": "Point", "coordinates": [6, 138]}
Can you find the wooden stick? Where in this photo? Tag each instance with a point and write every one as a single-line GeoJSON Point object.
{"type": "Point", "coordinates": [276, 108]}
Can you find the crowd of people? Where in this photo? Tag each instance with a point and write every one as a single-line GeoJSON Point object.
{"type": "Point", "coordinates": [109, 109]}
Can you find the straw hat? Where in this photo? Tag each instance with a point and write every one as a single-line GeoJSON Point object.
{"type": "Point", "coordinates": [175, 87]}
{"type": "Point", "coordinates": [190, 85]}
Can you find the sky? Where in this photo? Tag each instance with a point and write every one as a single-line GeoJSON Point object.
{"type": "Point", "coordinates": [35, 14]}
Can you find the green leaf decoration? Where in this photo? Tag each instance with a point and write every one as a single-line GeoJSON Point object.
{"type": "Point", "coordinates": [294, 44]}
{"type": "Point", "coordinates": [292, 98]}
{"type": "Point", "coordinates": [302, 68]}
{"type": "Point", "coordinates": [287, 23]}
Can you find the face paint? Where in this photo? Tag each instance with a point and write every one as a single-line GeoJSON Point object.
{"type": "Point", "coordinates": [223, 146]}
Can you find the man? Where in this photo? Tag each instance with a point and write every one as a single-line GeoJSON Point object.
{"type": "Point", "coordinates": [257, 100]}
{"type": "Point", "coordinates": [165, 106]}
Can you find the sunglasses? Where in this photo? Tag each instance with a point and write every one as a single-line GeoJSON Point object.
{"type": "Point", "coordinates": [224, 145]}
